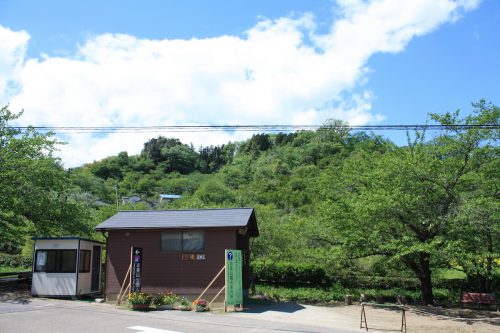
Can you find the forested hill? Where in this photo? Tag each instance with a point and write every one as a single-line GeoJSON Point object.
{"type": "Point", "coordinates": [280, 170]}
{"type": "Point", "coordinates": [347, 201]}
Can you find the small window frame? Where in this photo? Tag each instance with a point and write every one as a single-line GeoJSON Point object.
{"type": "Point", "coordinates": [182, 234]}
{"type": "Point", "coordinates": [58, 264]}
{"type": "Point", "coordinates": [85, 258]}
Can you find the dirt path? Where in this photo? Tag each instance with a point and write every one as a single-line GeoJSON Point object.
{"type": "Point", "coordinates": [418, 319]}
{"type": "Point", "coordinates": [426, 319]}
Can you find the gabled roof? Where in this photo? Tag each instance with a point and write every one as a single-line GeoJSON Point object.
{"type": "Point", "coordinates": [183, 219]}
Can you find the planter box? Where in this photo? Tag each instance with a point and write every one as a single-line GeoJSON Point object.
{"type": "Point", "coordinates": [165, 307]}
{"type": "Point", "coordinates": [200, 308]}
{"type": "Point", "coordinates": [140, 307]}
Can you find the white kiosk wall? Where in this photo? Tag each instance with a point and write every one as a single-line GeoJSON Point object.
{"type": "Point", "coordinates": [66, 267]}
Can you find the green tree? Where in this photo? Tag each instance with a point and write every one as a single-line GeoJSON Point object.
{"type": "Point", "coordinates": [153, 148]}
{"type": "Point", "coordinates": [405, 203]}
{"type": "Point", "coordinates": [181, 158]}
{"type": "Point", "coordinates": [214, 191]}
{"type": "Point", "coordinates": [36, 192]}
{"type": "Point", "coordinates": [256, 144]}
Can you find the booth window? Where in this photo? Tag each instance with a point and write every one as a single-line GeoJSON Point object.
{"type": "Point", "coordinates": [183, 241]}
{"type": "Point", "coordinates": [55, 261]}
{"type": "Point", "coordinates": [84, 261]}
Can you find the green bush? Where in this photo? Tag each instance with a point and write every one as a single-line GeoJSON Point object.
{"type": "Point", "coordinates": [413, 284]}
{"type": "Point", "coordinates": [288, 273]}
{"type": "Point", "coordinates": [377, 282]}
{"type": "Point", "coordinates": [314, 295]}
{"type": "Point", "coordinates": [301, 295]}
{"type": "Point", "coordinates": [471, 284]}
{"type": "Point", "coordinates": [14, 260]}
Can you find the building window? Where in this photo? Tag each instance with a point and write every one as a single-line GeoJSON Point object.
{"type": "Point", "coordinates": [55, 261]}
{"type": "Point", "coordinates": [183, 241]}
{"type": "Point", "coordinates": [193, 241]}
{"type": "Point", "coordinates": [171, 241]}
{"type": "Point", "coordinates": [84, 261]}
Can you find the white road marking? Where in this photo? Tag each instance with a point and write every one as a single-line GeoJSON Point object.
{"type": "Point", "coordinates": [145, 329]}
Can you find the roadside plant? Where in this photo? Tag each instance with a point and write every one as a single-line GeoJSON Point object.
{"type": "Point", "coordinates": [157, 299]}
{"type": "Point", "coordinates": [200, 303]}
{"type": "Point", "coordinates": [164, 299]}
{"type": "Point", "coordinates": [169, 298]}
{"type": "Point", "coordinates": [184, 301]}
{"type": "Point", "coordinates": [139, 298]}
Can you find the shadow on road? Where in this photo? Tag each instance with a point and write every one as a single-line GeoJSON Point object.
{"type": "Point", "coordinates": [254, 307]}
{"type": "Point", "coordinates": [15, 292]}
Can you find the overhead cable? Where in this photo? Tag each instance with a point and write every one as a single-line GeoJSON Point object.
{"type": "Point", "coordinates": [246, 128]}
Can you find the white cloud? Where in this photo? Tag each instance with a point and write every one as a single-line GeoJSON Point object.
{"type": "Point", "coordinates": [12, 49]}
{"type": "Point", "coordinates": [280, 72]}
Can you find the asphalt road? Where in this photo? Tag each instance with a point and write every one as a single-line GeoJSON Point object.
{"type": "Point", "coordinates": [52, 316]}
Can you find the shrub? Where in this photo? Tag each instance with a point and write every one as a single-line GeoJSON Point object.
{"type": "Point", "coordinates": [303, 295]}
{"type": "Point", "coordinates": [15, 260]}
{"type": "Point", "coordinates": [377, 282]}
{"type": "Point", "coordinates": [313, 295]}
{"type": "Point", "coordinates": [288, 273]}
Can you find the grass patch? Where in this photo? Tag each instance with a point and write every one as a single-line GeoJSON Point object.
{"type": "Point", "coordinates": [447, 274]}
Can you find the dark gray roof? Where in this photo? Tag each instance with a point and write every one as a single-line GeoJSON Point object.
{"type": "Point", "coordinates": [180, 219]}
{"type": "Point", "coordinates": [63, 238]}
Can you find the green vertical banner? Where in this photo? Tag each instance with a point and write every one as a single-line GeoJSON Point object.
{"type": "Point", "coordinates": [234, 286]}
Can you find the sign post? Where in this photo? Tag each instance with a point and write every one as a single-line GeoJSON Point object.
{"type": "Point", "coordinates": [136, 272]}
{"type": "Point", "coordinates": [234, 285]}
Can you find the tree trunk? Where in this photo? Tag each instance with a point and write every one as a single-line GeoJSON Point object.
{"type": "Point", "coordinates": [425, 278]}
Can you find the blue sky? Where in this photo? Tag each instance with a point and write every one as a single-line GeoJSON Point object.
{"type": "Point", "coordinates": [130, 63]}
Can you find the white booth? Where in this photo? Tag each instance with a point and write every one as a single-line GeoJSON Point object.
{"type": "Point", "coordinates": [66, 266]}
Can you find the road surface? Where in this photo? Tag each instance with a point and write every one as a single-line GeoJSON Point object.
{"type": "Point", "coordinates": [52, 316]}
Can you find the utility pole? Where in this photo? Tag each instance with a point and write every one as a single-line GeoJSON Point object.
{"type": "Point", "coordinates": [117, 200]}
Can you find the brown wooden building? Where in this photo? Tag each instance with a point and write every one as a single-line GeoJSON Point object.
{"type": "Point", "coordinates": [183, 250]}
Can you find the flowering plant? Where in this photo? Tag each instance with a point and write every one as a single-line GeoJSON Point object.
{"type": "Point", "coordinates": [139, 298]}
{"type": "Point", "coordinates": [162, 299]}
{"type": "Point", "coordinates": [169, 298]}
{"type": "Point", "coordinates": [201, 303]}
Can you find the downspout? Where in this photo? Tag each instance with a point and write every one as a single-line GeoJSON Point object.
{"type": "Point", "coordinates": [106, 266]}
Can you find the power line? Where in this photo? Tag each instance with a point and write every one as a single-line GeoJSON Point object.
{"type": "Point", "coordinates": [243, 128]}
